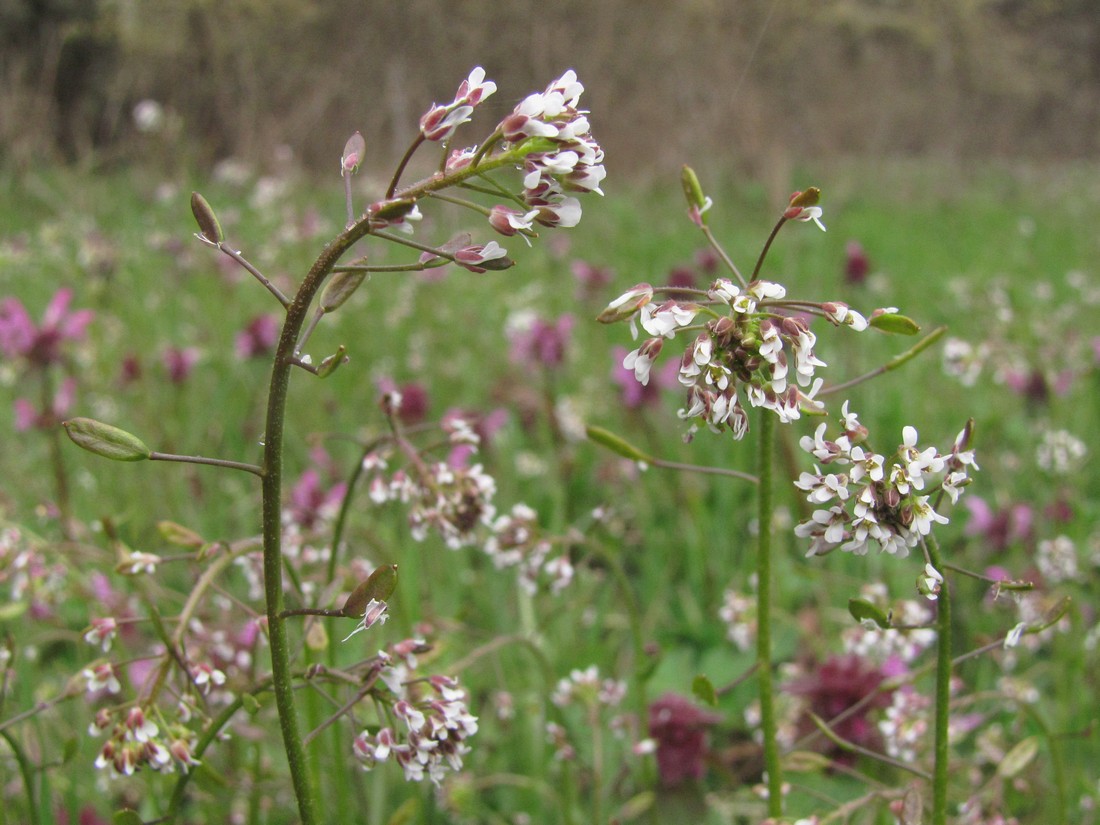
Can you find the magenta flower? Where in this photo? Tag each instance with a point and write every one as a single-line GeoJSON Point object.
{"type": "Point", "coordinates": [28, 417]}
{"type": "Point", "coordinates": [258, 339]}
{"type": "Point", "coordinates": [856, 263]}
{"type": "Point", "coordinates": [537, 341]}
{"type": "Point", "coordinates": [41, 344]}
{"type": "Point", "coordinates": [680, 728]}
{"type": "Point", "coordinates": [834, 686]}
{"type": "Point", "coordinates": [178, 362]}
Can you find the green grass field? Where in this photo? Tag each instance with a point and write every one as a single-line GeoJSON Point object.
{"type": "Point", "coordinates": [1004, 257]}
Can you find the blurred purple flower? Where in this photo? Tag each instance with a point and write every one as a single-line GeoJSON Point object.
{"type": "Point", "coordinates": [41, 344]}
{"type": "Point", "coordinates": [178, 362]}
{"type": "Point", "coordinates": [834, 686]}
{"type": "Point", "coordinates": [129, 370]}
{"type": "Point", "coordinates": [856, 263]}
{"type": "Point", "coordinates": [258, 338]}
{"type": "Point", "coordinates": [592, 280]}
{"type": "Point", "coordinates": [680, 278]}
{"type": "Point", "coordinates": [311, 502]}
{"type": "Point", "coordinates": [707, 260]}
{"type": "Point", "coordinates": [635, 394]}
{"type": "Point", "coordinates": [542, 342]}
{"type": "Point", "coordinates": [414, 405]}
{"type": "Point", "coordinates": [27, 416]}
{"type": "Point", "coordinates": [1000, 528]}
{"type": "Point", "coordinates": [680, 728]}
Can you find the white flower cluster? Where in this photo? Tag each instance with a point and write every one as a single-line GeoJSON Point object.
{"type": "Point", "coordinates": [879, 500]}
{"type": "Point", "coordinates": [456, 502]}
{"type": "Point", "coordinates": [137, 742]}
{"type": "Point", "coordinates": [437, 725]}
{"type": "Point", "coordinates": [571, 159]}
{"type": "Point", "coordinates": [738, 611]}
{"type": "Point", "coordinates": [586, 688]}
{"type": "Point", "coordinates": [746, 351]}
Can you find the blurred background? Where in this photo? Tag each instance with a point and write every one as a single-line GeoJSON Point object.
{"type": "Point", "coordinates": [758, 81]}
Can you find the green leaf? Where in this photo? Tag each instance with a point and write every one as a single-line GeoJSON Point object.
{"type": "Point", "coordinates": [703, 690]}
{"type": "Point", "coordinates": [379, 586]}
{"type": "Point", "coordinates": [895, 324]}
{"type": "Point", "coordinates": [250, 703]}
{"type": "Point", "coordinates": [608, 439]}
{"type": "Point", "coordinates": [1018, 758]}
{"type": "Point", "coordinates": [105, 440]}
{"type": "Point", "coordinates": [862, 609]}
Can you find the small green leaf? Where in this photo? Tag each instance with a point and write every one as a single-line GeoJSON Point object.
{"type": "Point", "coordinates": [703, 690]}
{"type": "Point", "coordinates": [105, 440]}
{"type": "Point", "coordinates": [862, 609]}
{"type": "Point", "coordinates": [1021, 755]}
{"type": "Point", "coordinates": [379, 586]}
{"type": "Point", "coordinates": [617, 445]}
{"type": "Point", "coordinates": [894, 323]}
{"type": "Point", "coordinates": [250, 703]}
{"type": "Point", "coordinates": [408, 811]}
{"type": "Point", "coordinates": [636, 806]}
{"type": "Point", "coordinates": [206, 219]}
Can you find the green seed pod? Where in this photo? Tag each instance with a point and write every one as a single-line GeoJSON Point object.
{"type": "Point", "coordinates": [693, 191]}
{"type": "Point", "coordinates": [895, 323]}
{"type": "Point", "coordinates": [339, 288]}
{"type": "Point", "coordinates": [105, 440]}
{"type": "Point", "coordinates": [206, 219]}
{"type": "Point", "coordinates": [329, 365]}
{"type": "Point", "coordinates": [617, 445]}
{"type": "Point", "coordinates": [379, 586]}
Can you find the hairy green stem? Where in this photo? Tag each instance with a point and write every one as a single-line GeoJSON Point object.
{"type": "Point", "coordinates": [282, 677]}
{"type": "Point", "coordinates": [943, 692]}
{"type": "Point", "coordinates": [765, 504]}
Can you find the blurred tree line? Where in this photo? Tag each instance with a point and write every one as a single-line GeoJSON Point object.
{"type": "Point", "coordinates": [667, 82]}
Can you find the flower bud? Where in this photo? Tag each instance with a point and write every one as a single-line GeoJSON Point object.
{"type": "Point", "coordinates": [626, 304]}
{"type": "Point", "coordinates": [354, 150]}
{"type": "Point", "coordinates": [209, 228]}
{"type": "Point", "coordinates": [693, 191]}
{"type": "Point", "coordinates": [811, 197]}
{"type": "Point", "coordinates": [179, 535]}
{"type": "Point", "coordinates": [105, 440]}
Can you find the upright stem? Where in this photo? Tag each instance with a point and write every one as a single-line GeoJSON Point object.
{"type": "Point", "coordinates": [281, 675]}
{"type": "Point", "coordinates": [764, 508]}
{"type": "Point", "coordinates": [943, 692]}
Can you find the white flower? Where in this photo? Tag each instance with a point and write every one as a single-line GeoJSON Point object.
{"type": "Point", "coordinates": [663, 321]}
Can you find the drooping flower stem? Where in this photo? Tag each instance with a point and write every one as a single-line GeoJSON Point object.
{"type": "Point", "coordinates": [282, 678]}
{"type": "Point", "coordinates": [943, 691]}
{"type": "Point", "coordinates": [764, 493]}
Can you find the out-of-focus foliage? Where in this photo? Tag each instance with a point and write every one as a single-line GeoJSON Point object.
{"type": "Point", "coordinates": [757, 79]}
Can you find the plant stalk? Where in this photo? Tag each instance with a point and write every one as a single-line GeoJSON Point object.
{"type": "Point", "coordinates": [765, 505]}
{"type": "Point", "coordinates": [943, 692]}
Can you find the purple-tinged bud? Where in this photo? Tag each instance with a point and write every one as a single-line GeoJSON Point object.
{"type": "Point", "coordinates": [105, 440]}
{"type": "Point", "coordinates": [811, 197]}
{"type": "Point", "coordinates": [627, 304]}
{"type": "Point", "coordinates": [392, 210]}
{"type": "Point", "coordinates": [354, 150]}
{"type": "Point", "coordinates": [210, 231]}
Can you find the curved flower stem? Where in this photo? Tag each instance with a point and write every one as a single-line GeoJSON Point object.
{"type": "Point", "coordinates": [895, 362]}
{"type": "Point", "coordinates": [281, 675]}
{"type": "Point", "coordinates": [943, 691]}
{"type": "Point", "coordinates": [213, 462]}
{"type": "Point", "coordinates": [763, 613]}
{"type": "Point", "coordinates": [767, 246]}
